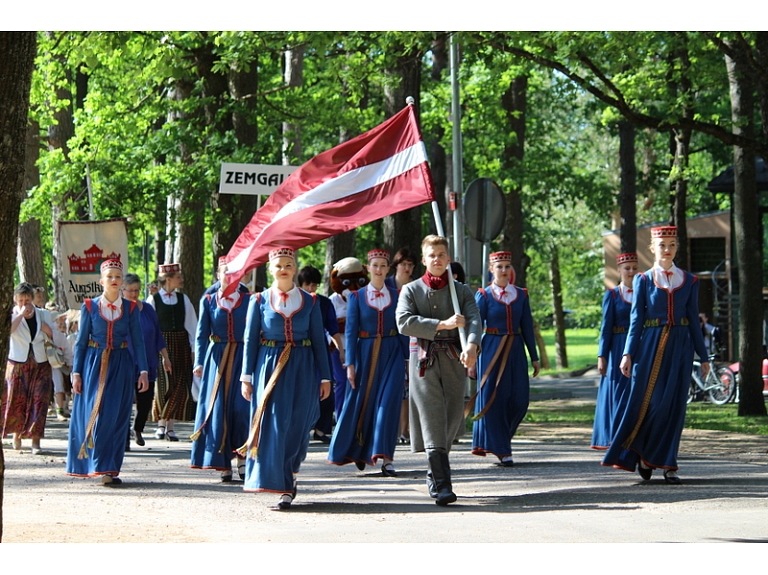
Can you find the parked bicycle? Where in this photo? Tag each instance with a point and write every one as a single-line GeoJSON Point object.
{"type": "Point", "coordinates": [719, 385]}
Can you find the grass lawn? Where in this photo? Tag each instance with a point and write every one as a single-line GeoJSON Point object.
{"type": "Point", "coordinates": [580, 347]}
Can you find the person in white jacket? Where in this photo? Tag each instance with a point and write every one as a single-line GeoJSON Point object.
{"type": "Point", "coordinates": [28, 384]}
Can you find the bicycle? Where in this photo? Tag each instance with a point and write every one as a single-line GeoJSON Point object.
{"type": "Point", "coordinates": [719, 385]}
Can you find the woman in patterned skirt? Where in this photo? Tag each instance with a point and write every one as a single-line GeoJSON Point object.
{"type": "Point", "coordinates": [178, 322]}
{"type": "Point", "coordinates": [28, 383]}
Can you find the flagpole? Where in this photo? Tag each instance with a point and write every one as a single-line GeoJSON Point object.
{"type": "Point", "coordinates": [440, 232]}
{"type": "Point", "coordinates": [451, 287]}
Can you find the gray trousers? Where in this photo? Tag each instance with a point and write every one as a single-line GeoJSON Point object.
{"type": "Point", "coordinates": [436, 402]}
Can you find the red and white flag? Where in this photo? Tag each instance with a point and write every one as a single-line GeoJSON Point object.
{"type": "Point", "coordinates": [379, 173]}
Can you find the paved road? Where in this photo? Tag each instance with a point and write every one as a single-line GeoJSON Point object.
{"type": "Point", "coordinates": [557, 492]}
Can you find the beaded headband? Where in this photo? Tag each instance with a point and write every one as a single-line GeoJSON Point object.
{"type": "Point", "coordinates": [629, 257]}
{"type": "Point", "coordinates": [114, 264]}
{"type": "Point", "coordinates": [384, 254]}
{"type": "Point", "coordinates": [169, 268]}
{"type": "Point", "coordinates": [500, 257]}
{"type": "Point", "coordinates": [664, 232]}
{"type": "Point", "coordinates": [282, 253]}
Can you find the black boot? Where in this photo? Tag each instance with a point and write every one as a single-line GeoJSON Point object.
{"type": "Point", "coordinates": [431, 485]}
{"type": "Point", "coordinates": [441, 475]}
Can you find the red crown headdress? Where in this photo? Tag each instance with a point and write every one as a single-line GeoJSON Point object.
{"type": "Point", "coordinates": [378, 254]}
{"type": "Point", "coordinates": [282, 253]}
{"type": "Point", "coordinates": [664, 232]}
{"type": "Point", "coordinates": [628, 257]}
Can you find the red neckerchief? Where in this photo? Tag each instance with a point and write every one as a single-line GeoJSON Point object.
{"type": "Point", "coordinates": [435, 282]}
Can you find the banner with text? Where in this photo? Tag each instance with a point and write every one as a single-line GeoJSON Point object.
{"type": "Point", "coordinates": [84, 245]}
{"type": "Point", "coordinates": [252, 179]}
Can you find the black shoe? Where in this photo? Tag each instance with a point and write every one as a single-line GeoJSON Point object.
{"type": "Point", "coordinates": [170, 435]}
{"type": "Point", "coordinates": [324, 438]}
{"type": "Point", "coordinates": [645, 472]}
{"type": "Point", "coordinates": [139, 439]}
{"type": "Point", "coordinates": [505, 463]}
{"type": "Point", "coordinates": [226, 476]}
{"type": "Point", "coordinates": [388, 470]}
{"type": "Point", "coordinates": [285, 502]}
{"type": "Point", "coordinates": [109, 481]}
{"type": "Point", "coordinates": [360, 465]}
{"type": "Point", "coordinates": [670, 476]}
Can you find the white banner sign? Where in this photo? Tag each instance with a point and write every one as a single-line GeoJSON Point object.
{"type": "Point", "coordinates": [252, 179]}
{"type": "Point", "coordinates": [84, 245]}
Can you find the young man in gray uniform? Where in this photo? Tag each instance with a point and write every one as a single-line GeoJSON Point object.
{"type": "Point", "coordinates": [437, 367]}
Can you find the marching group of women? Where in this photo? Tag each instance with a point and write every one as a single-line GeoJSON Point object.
{"type": "Point", "coordinates": [263, 365]}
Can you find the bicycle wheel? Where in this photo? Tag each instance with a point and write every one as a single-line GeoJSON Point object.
{"type": "Point", "coordinates": [693, 389]}
{"type": "Point", "coordinates": [724, 382]}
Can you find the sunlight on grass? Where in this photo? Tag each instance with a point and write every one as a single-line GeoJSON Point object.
{"type": "Point", "coordinates": [580, 348]}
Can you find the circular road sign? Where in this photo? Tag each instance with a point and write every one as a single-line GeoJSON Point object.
{"type": "Point", "coordinates": [484, 209]}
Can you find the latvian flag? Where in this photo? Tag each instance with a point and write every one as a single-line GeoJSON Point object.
{"type": "Point", "coordinates": [379, 173]}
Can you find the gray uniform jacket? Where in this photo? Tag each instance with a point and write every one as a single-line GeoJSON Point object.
{"type": "Point", "coordinates": [437, 397]}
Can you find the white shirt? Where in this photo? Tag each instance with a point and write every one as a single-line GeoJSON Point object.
{"type": "Point", "coordinates": [667, 279]}
{"type": "Point", "coordinates": [506, 294]}
{"type": "Point", "coordinates": [190, 317]}
{"type": "Point", "coordinates": [377, 299]}
{"type": "Point", "coordinates": [285, 305]}
{"type": "Point", "coordinates": [229, 302]}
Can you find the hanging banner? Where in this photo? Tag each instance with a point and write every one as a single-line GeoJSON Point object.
{"type": "Point", "coordinates": [84, 245]}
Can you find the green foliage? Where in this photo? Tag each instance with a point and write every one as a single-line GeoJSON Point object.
{"type": "Point", "coordinates": [141, 144]}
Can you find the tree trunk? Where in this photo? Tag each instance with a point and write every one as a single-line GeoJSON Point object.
{"type": "Point", "coordinates": [403, 229]}
{"type": "Point", "coordinates": [681, 142]}
{"type": "Point", "coordinates": [681, 153]}
{"type": "Point", "coordinates": [515, 103]}
{"type": "Point", "coordinates": [294, 78]}
{"type": "Point", "coordinates": [748, 243]}
{"type": "Point", "coordinates": [188, 215]}
{"type": "Point", "coordinates": [628, 191]}
{"type": "Point", "coordinates": [17, 59]}
{"type": "Point", "coordinates": [244, 83]}
{"type": "Point", "coordinates": [557, 305]}
{"type": "Point", "coordinates": [59, 134]}
{"type": "Point", "coordinates": [30, 249]}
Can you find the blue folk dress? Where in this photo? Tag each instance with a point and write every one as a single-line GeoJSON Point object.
{"type": "Point", "coordinates": [663, 334]}
{"type": "Point", "coordinates": [502, 398]}
{"type": "Point", "coordinates": [292, 347]}
{"type": "Point", "coordinates": [223, 414]}
{"type": "Point", "coordinates": [368, 425]}
{"type": "Point", "coordinates": [101, 414]}
{"type": "Point", "coordinates": [613, 393]}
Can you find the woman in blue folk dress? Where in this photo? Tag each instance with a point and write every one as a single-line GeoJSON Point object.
{"type": "Point", "coordinates": [503, 386]}
{"type": "Point", "coordinates": [103, 380]}
{"type": "Point", "coordinates": [613, 393]}
{"type": "Point", "coordinates": [658, 355]}
{"type": "Point", "coordinates": [223, 414]}
{"type": "Point", "coordinates": [284, 345]}
{"type": "Point", "coordinates": [368, 425]}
